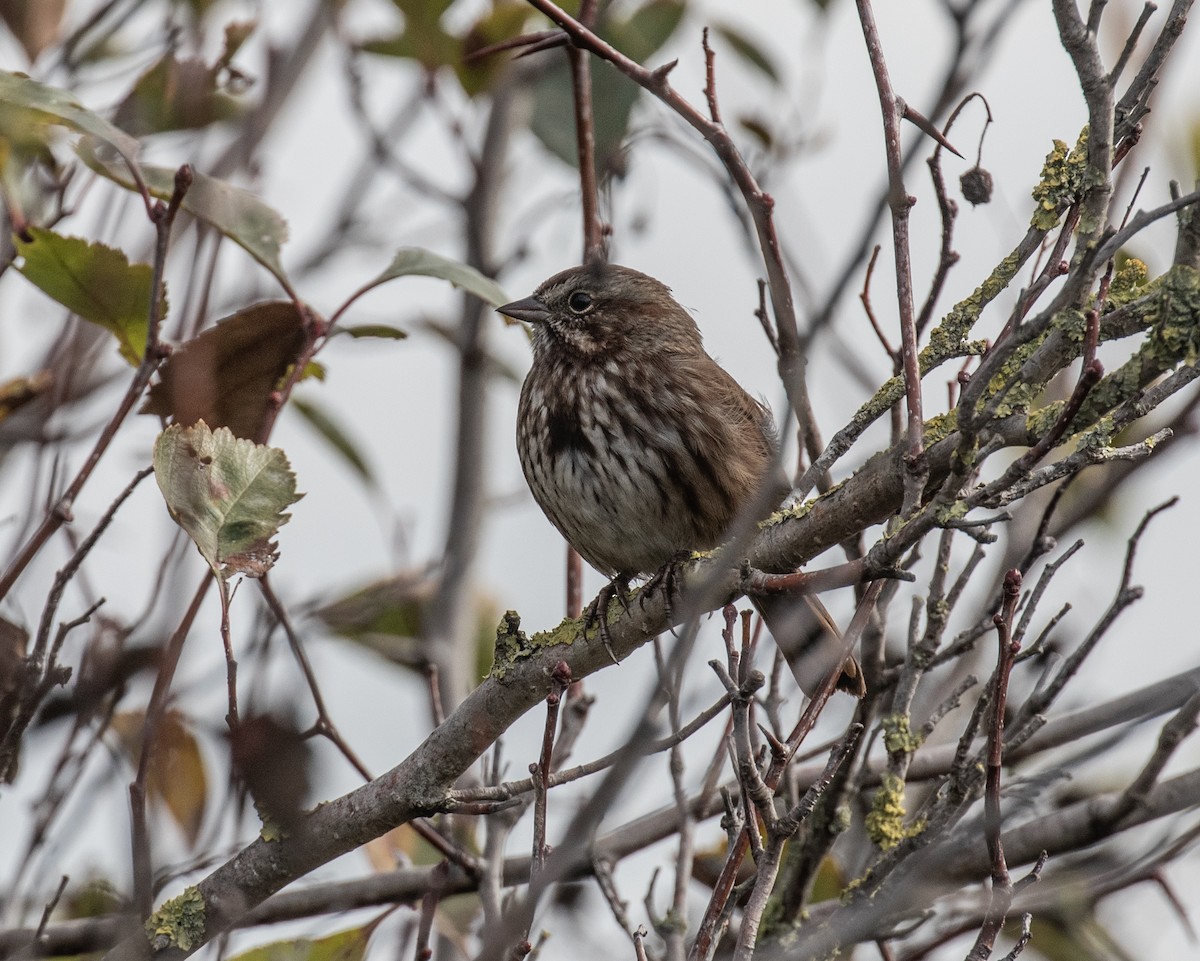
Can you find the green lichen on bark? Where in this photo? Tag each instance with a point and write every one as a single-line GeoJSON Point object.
{"type": "Point", "coordinates": [1176, 330]}
{"type": "Point", "coordinates": [1006, 392]}
{"type": "Point", "coordinates": [885, 821]}
{"type": "Point", "coordinates": [1172, 313]}
{"type": "Point", "coordinates": [940, 426]}
{"type": "Point", "coordinates": [1129, 282]}
{"type": "Point", "coordinates": [178, 923]}
{"type": "Point", "coordinates": [1063, 179]}
{"type": "Point", "coordinates": [512, 643]}
{"type": "Point", "coordinates": [898, 737]}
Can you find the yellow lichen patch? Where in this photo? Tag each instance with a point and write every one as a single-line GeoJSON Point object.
{"type": "Point", "coordinates": [180, 921]}
{"type": "Point", "coordinates": [512, 643]}
{"type": "Point", "coordinates": [898, 737]}
{"type": "Point", "coordinates": [940, 426]}
{"type": "Point", "coordinates": [1129, 282]}
{"type": "Point", "coordinates": [1177, 327]}
{"type": "Point", "coordinates": [885, 822]}
{"type": "Point", "coordinates": [1061, 181]}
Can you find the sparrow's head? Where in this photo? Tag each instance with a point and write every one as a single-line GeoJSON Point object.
{"type": "Point", "coordinates": [604, 309]}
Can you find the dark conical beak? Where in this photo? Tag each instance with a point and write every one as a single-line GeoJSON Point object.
{"type": "Point", "coordinates": [531, 310]}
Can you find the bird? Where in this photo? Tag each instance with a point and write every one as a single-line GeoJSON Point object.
{"type": "Point", "coordinates": [640, 448]}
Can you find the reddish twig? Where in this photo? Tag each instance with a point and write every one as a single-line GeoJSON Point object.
{"type": "Point", "coordinates": [760, 312]}
{"type": "Point", "coordinates": [541, 770]}
{"type": "Point", "coordinates": [540, 40]}
{"type": "Point", "coordinates": [41, 670]}
{"type": "Point", "coordinates": [231, 664]}
{"type": "Point", "coordinates": [1002, 887]}
{"type": "Point", "coordinates": [710, 78]}
{"type": "Point", "coordinates": [723, 888]}
{"type": "Point", "coordinates": [585, 141]}
{"type": "Point", "coordinates": [858, 571]}
{"type": "Point", "coordinates": [593, 228]}
{"type": "Point", "coordinates": [865, 297]}
{"type": "Point", "coordinates": [899, 201]}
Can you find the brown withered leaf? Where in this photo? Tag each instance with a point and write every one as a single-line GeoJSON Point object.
{"type": "Point", "coordinates": [273, 758]}
{"type": "Point", "coordinates": [14, 646]}
{"type": "Point", "coordinates": [178, 777]}
{"type": "Point", "coordinates": [225, 376]}
{"type": "Point", "coordinates": [34, 23]}
{"type": "Point", "coordinates": [15, 394]}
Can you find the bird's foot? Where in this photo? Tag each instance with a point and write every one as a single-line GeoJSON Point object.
{"type": "Point", "coordinates": [596, 613]}
{"type": "Point", "coordinates": [669, 579]}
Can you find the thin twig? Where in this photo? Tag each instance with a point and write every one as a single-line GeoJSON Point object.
{"type": "Point", "coordinates": [1002, 888]}
{"type": "Point", "coordinates": [900, 202]}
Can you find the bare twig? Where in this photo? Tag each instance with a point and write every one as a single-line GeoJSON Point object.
{"type": "Point", "coordinates": [1002, 887]}
{"type": "Point", "coordinates": [899, 201]}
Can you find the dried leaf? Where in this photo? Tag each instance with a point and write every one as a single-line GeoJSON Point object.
{"type": "Point", "coordinates": [16, 393]}
{"type": "Point", "coordinates": [274, 760]}
{"type": "Point", "coordinates": [177, 775]}
{"type": "Point", "coordinates": [225, 376]}
{"type": "Point", "coordinates": [349, 945]}
{"type": "Point", "coordinates": [33, 22]}
{"type": "Point", "coordinates": [227, 493]}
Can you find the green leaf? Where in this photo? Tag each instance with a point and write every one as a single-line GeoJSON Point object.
{"type": "Point", "coordinates": [748, 50]}
{"type": "Point", "coordinates": [350, 945]}
{"type": "Point", "coordinates": [227, 493]}
{"type": "Point", "coordinates": [417, 261]}
{"type": "Point", "coordinates": [225, 376]}
{"type": "Point", "coordinates": [426, 43]}
{"type": "Point", "coordinates": [422, 11]}
{"type": "Point", "coordinates": [335, 435]}
{"type": "Point", "coordinates": [27, 102]}
{"type": "Point", "coordinates": [505, 20]}
{"type": "Point", "coordinates": [613, 95]}
{"type": "Point", "coordinates": [382, 331]}
{"type": "Point", "coordinates": [175, 94]}
{"type": "Point", "coordinates": [238, 214]}
{"type": "Point", "coordinates": [393, 607]}
{"type": "Point", "coordinates": [94, 281]}
{"type": "Point", "coordinates": [647, 28]}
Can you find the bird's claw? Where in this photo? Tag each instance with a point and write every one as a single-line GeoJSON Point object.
{"type": "Point", "coordinates": [596, 613]}
{"type": "Point", "coordinates": [667, 578]}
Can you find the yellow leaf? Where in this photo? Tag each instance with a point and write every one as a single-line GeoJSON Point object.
{"type": "Point", "coordinates": [177, 777]}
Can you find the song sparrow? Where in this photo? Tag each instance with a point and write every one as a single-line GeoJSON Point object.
{"type": "Point", "coordinates": [637, 444]}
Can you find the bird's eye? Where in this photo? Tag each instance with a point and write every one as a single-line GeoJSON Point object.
{"type": "Point", "coordinates": [579, 302]}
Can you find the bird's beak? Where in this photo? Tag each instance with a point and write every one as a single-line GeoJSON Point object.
{"type": "Point", "coordinates": [531, 310]}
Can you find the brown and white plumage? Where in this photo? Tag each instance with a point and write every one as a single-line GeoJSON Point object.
{"type": "Point", "coordinates": [635, 442]}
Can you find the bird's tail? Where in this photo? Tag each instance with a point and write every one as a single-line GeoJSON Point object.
{"type": "Point", "coordinates": [810, 641]}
